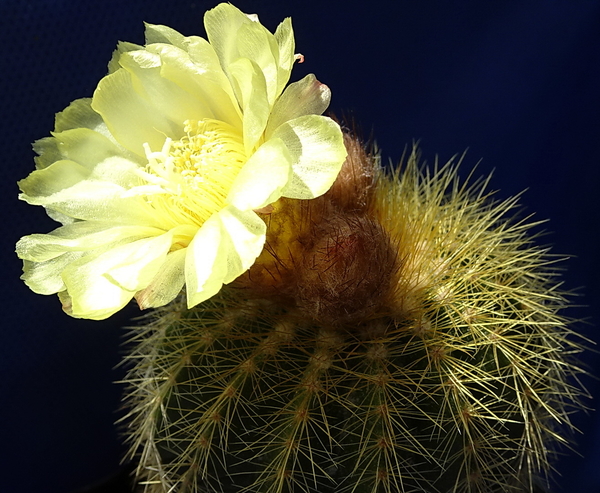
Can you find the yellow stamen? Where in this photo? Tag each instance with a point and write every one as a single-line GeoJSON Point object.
{"type": "Point", "coordinates": [191, 178]}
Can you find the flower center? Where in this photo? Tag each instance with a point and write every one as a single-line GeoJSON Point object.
{"type": "Point", "coordinates": [191, 178]}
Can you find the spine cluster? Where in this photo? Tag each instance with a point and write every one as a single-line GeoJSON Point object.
{"type": "Point", "coordinates": [401, 333]}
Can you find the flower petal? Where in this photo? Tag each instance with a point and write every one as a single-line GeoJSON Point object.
{"type": "Point", "coordinates": [165, 96]}
{"type": "Point", "coordinates": [167, 283]}
{"type": "Point", "coordinates": [284, 35]}
{"type": "Point", "coordinates": [134, 265]}
{"type": "Point", "coordinates": [78, 114]}
{"type": "Point", "coordinates": [245, 239]}
{"type": "Point", "coordinates": [139, 106]}
{"type": "Point", "coordinates": [222, 24]}
{"type": "Point", "coordinates": [51, 180]}
{"type": "Point", "coordinates": [259, 46]}
{"type": "Point", "coordinates": [80, 236]}
{"type": "Point", "coordinates": [250, 87]}
{"type": "Point", "coordinates": [96, 301]}
{"type": "Point", "coordinates": [205, 263]}
{"type": "Point", "coordinates": [305, 97]}
{"type": "Point", "coordinates": [199, 73]}
{"type": "Point", "coordinates": [88, 147]}
{"type": "Point", "coordinates": [316, 146]}
{"type": "Point", "coordinates": [191, 62]}
{"type": "Point", "coordinates": [122, 47]}
{"type": "Point", "coordinates": [96, 200]}
{"type": "Point", "coordinates": [128, 115]}
{"type": "Point", "coordinates": [45, 256]}
{"type": "Point", "coordinates": [101, 284]}
{"type": "Point", "coordinates": [74, 126]}
{"type": "Point", "coordinates": [225, 247]}
{"type": "Point", "coordinates": [262, 178]}
{"type": "Point", "coordinates": [46, 277]}
{"type": "Point", "coordinates": [235, 35]}
{"type": "Point", "coordinates": [156, 33]}
{"type": "Point", "coordinates": [48, 150]}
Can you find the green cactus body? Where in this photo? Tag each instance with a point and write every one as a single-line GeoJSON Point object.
{"type": "Point", "coordinates": [399, 334]}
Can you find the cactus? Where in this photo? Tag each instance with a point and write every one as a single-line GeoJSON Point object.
{"type": "Point", "coordinates": [401, 333]}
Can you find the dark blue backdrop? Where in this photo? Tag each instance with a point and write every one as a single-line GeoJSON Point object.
{"type": "Point", "coordinates": [517, 82]}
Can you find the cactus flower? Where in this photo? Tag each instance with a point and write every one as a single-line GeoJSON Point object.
{"type": "Point", "coordinates": [160, 178]}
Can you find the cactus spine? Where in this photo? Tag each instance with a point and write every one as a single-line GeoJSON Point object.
{"type": "Point", "coordinates": [401, 333]}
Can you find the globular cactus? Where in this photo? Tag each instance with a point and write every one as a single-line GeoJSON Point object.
{"type": "Point", "coordinates": [401, 333]}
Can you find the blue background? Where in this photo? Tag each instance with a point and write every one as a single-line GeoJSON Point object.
{"type": "Point", "coordinates": [516, 82]}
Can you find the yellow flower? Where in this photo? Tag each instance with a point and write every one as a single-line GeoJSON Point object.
{"type": "Point", "coordinates": [156, 179]}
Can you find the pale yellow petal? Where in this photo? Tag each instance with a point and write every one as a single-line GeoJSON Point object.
{"type": "Point", "coordinates": [166, 96]}
{"type": "Point", "coordinates": [259, 46]}
{"type": "Point", "coordinates": [305, 97]}
{"type": "Point", "coordinates": [167, 283]}
{"type": "Point", "coordinates": [204, 57]}
{"type": "Point", "coordinates": [244, 239]}
{"type": "Point", "coordinates": [48, 150]}
{"type": "Point", "coordinates": [262, 178]}
{"type": "Point", "coordinates": [51, 180]}
{"type": "Point", "coordinates": [130, 116]}
{"type": "Point", "coordinates": [203, 77]}
{"type": "Point", "coordinates": [251, 90]}
{"type": "Point", "coordinates": [75, 126]}
{"type": "Point", "coordinates": [78, 114]}
{"type": "Point", "coordinates": [46, 277]}
{"type": "Point", "coordinates": [95, 300]}
{"type": "Point", "coordinates": [234, 36]}
{"type": "Point", "coordinates": [223, 249]}
{"type": "Point", "coordinates": [122, 47]}
{"type": "Point", "coordinates": [81, 236]}
{"type": "Point", "coordinates": [205, 263]}
{"type": "Point", "coordinates": [199, 74]}
{"type": "Point", "coordinates": [118, 170]}
{"type": "Point", "coordinates": [316, 146]}
{"type": "Point", "coordinates": [284, 35]}
{"type": "Point", "coordinates": [101, 201]}
{"type": "Point", "coordinates": [67, 304]}
{"type": "Point", "coordinates": [156, 33]}
{"type": "Point", "coordinates": [47, 256]}
{"type": "Point", "coordinates": [101, 284]}
{"type": "Point", "coordinates": [222, 24]}
{"type": "Point", "coordinates": [75, 155]}
{"type": "Point", "coordinates": [133, 265]}
{"type": "Point", "coordinates": [88, 147]}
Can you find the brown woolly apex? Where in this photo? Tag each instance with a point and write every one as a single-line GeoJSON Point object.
{"type": "Point", "coordinates": [328, 257]}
